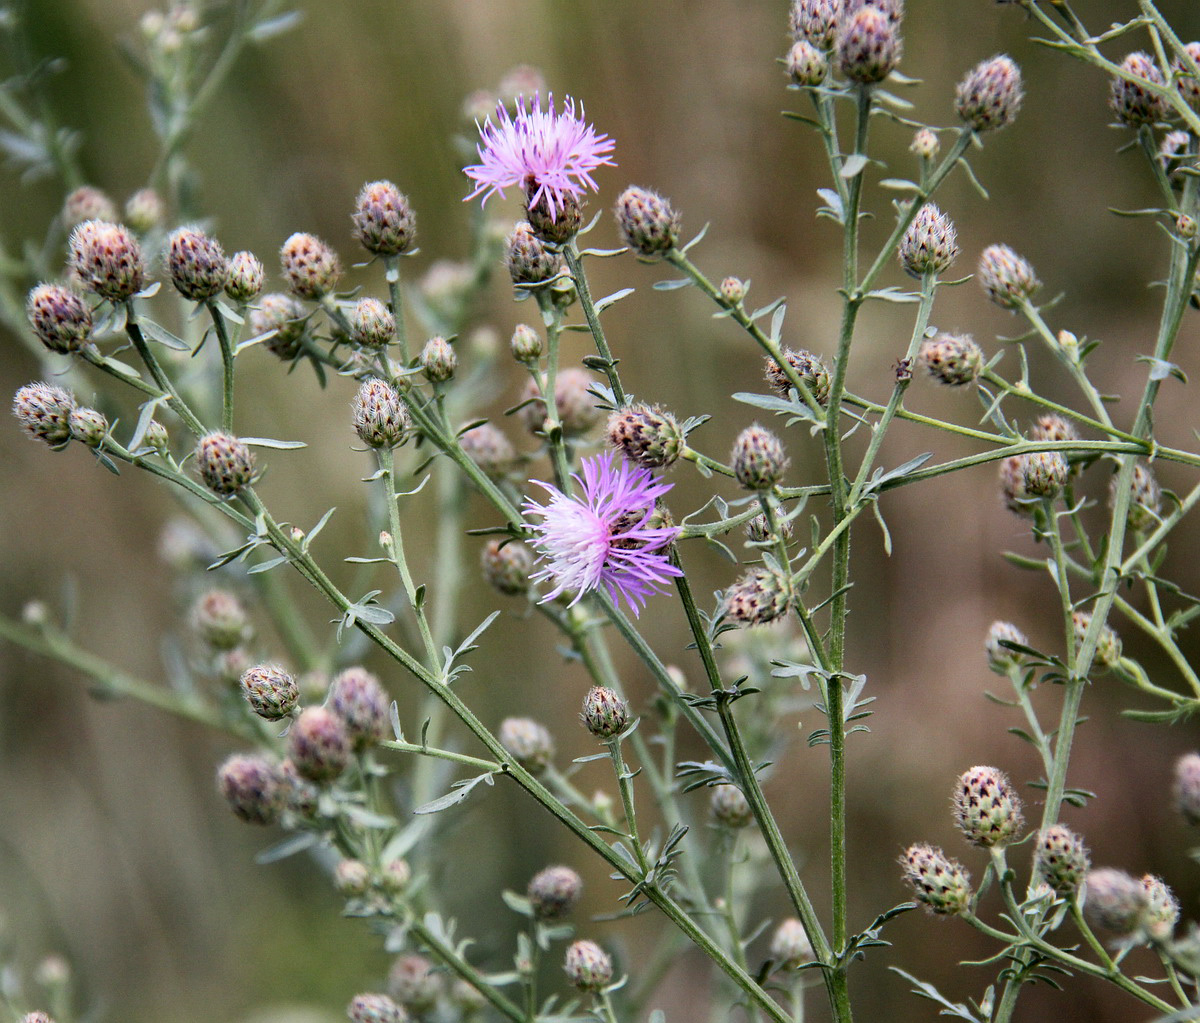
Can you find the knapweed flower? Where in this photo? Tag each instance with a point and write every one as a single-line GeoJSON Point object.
{"type": "Point", "coordinates": [606, 537]}
{"type": "Point", "coordinates": [549, 154]}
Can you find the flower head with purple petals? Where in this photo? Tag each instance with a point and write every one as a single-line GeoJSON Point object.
{"type": "Point", "coordinates": [604, 538]}
{"type": "Point", "coordinates": [551, 155]}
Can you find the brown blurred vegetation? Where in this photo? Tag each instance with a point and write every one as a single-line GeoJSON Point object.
{"type": "Point", "coordinates": [116, 851]}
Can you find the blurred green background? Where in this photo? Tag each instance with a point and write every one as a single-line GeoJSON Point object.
{"type": "Point", "coordinates": [116, 852]}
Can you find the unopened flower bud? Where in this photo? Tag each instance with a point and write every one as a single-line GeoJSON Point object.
{"type": "Point", "coordinates": [790, 946]}
{"type": "Point", "coordinates": [528, 259]}
{"type": "Point", "coordinates": [359, 699]}
{"type": "Point", "coordinates": [758, 529]}
{"type": "Point", "coordinates": [647, 222]}
{"type": "Point", "coordinates": [414, 983]}
{"type": "Point", "coordinates": [588, 966]}
{"type": "Point", "coordinates": [577, 411]}
{"type": "Point", "coordinates": [143, 210]}
{"type": "Point", "coordinates": [1185, 227]}
{"type": "Point", "coordinates": [733, 291]}
{"type": "Point", "coordinates": [868, 46]}
{"type": "Point", "coordinates": [88, 426]}
{"type": "Point", "coordinates": [526, 345]}
{"type": "Point", "coordinates": [506, 566]}
{"type": "Point", "coordinates": [271, 692]}
{"type": "Point", "coordinates": [807, 64]}
{"type": "Point", "coordinates": [1185, 78]}
{"type": "Point", "coordinates": [930, 245]}
{"type": "Point", "coordinates": [196, 264]}
{"type": "Point", "coordinates": [52, 972]}
{"type": "Point", "coordinates": [244, 281]}
{"type": "Point", "coordinates": [809, 368]}
{"type": "Point", "coordinates": [284, 315]}
{"type": "Point", "coordinates": [106, 259]}
{"type": "Point", "coordinates": [1187, 787]}
{"type": "Point", "coordinates": [251, 786]}
{"type": "Point", "coordinates": [758, 597]}
{"type": "Point", "coordinates": [225, 463]}
{"type": "Point", "coordinates": [87, 203]}
{"type": "Point", "coordinates": [520, 80]}
{"type": "Point", "coordinates": [60, 317]}
{"type": "Point", "coordinates": [1061, 859]}
{"type": "Point", "coordinates": [1115, 901]}
{"type": "Point", "coordinates": [646, 436]}
{"type": "Point", "coordinates": [37, 1017]}
{"type": "Point", "coordinates": [44, 412]}
{"type": "Point", "coordinates": [553, 892]}
{"type": "Point", "coordinates": [529, 743]}
{"type": "Point", "coordinates": [351, 877]}
{"type": "Point", "coordinates": [815, 21]}
{"type": "Point", "coordinates": [604, 713]}
{"type": "Point", "coordinates": [1053, 427]}
{"type": "Point", "coordinates": [1162, 909]}
{"type": "Point", "coordinates": [1000, 658]}
{"type": "Point", "coordinates": [729, 806]}
{"type": "Point", "coordinates": [311, 267]}
{"type": "Point", "coordinates": [384, 223]}
{"type": "Point", "coordinates": [1006, 278]}
{"type": "Point", "coordinates": [758, 458]}
{"type": "Point", "coordinates": [318, 744]}
{"type": "Point", "coordinates": [438, 361]}
{"type": "Point", "coordinates": [938, 882]}
{"type": "Point", "coordinates": [1108, 646]}
{"type": "Point", "coordinates": [1044, 473]}
{"type": "Point", "coordinates": [1012, 485]}
{"type": "Point", "coordinates": [954, 359]}
{"type": "Point", "coordinates": [986, 809]}
{"type": "Point", "coordinates": [219, 619]}
{"type": "Point", "coordinates": [990, 95]}
{"type": "Point", "coordinates": [395, 876]}
{"type": "Point", "coordinates": [1132, 102]}
{"type": "Point", "coordinates": [1145, 498]}
{"type": "Point", "coordinates": [556, 225]}
{"type": "Point", "coordinates": [157, 438]}
{"type": "Point", "coordinates": [925, 144]}
{"type": "Point", "coordinates": [380, 418]}
{"type": "Point", "coordinates": [374, 1008]}
{"type": "Point", "coordinates": [488, 448]}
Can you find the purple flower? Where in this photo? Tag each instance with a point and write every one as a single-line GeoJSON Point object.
{"type": "Point", "coordinates": [548, 154]}
{"type": "Point", "coordinates": [604, 538]}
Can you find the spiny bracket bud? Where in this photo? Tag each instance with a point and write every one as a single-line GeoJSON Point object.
{"type": "Point", "coordinates": [729, 806]}
{"type": "Point", "coordinates": [790, 947]}
{"type": "Point", "coordinates": [815, 21]}
{"type": "Point", "coordinates": [938, 882]}
{"type": "Point", "coordinates": [1162, 909]}
{"type": "Point", "coordinates": [1061, 859]}
{"type": "Point", "coordinates": [528, 259]}
{"type": "Point", "coordinates": [59, 317]}
{"type": "Point", "coordinates": [647, 222]}
{"type": "Point", "coordinates": [990, 95]}
{"type": "Point", "coordinates": [106, 259]}
{"type": "Point", "coordinates": [1000, 658]}
{"type": "Point", "coordinates": [577, 411]}
{"type": "Point", "coordinates": [144, 210]}
{"type": "Point", "coordinates": [252, 786]}
{"type": "Point", "coordinates": [758, 458]}
{"type": "Point", "coordinates": [1145, 498]}
{"type": "Point", "coordinates": [986, 809]}
{"type": "Point", "coordinates": [1187, 787]}
{"type": "Point", "coordinates": [319, 745]}
{"type": "Point", "coordinates": [557, 227]}
{"type": "Point", "coordinates": [384, 223]}
{"type": "Point", "coordinates": [1185, 78]}
{"type": "Point", "coordinates": [604, 713]}
{"type": "Point", "coordinates": [374, 1008]}
{"type": "Point", "coordinates": [219, 619]}
{"type": "Point", "coordinates": [868, 45]}
{"type": "Point", "coordinates": [1053, 428]}
{"type": "Point", "coordinates": [954, 359]}
{"type": "Point", "coordinates": [588, 966]}
{"type": "Point", "coordinates": [44, 412]}
{"type": "Point", "coordinates": [414, 983]}
{"type": "Point", "coordinates": [196, 264]}
{"type": "Point", "coordinates": [359, 699]}
{"type": "Point", "coordinates": [810, 369]}
{"type": "Point", "coordinates": [925, 144]}
{"type": "Point", "coordinates": [1044, 473]}
{"type": "Point", "coordinates": [1108, 646]}
{"type": "Point", "coordinates": [351, 877]}
{"type": "Point", "coordinates": [528, 742]}
{"type": "Point", "coordinates": [758, 597]}
{"type": "Point", "coordinates": [1114, 901]}
{"type": "Point", "coordinates": [930, 244]}
{"type": "Point", "coordinates": [226, 464]}
{"type": "Point", "coordinates": [553, 892]}
{"type": "Point", "coordinates": [646, 436]}
{"type": "Point", "coordinates": [488, 448]}
{"type": "Point", "coordinates": [88, 426]}
{"type": "Point", "coordinates": [88, 203]}
{"type": "Point", "coordinates": [246, 274]}
{"type": "Point", "coordinates": [271, 692]}
{"type": "Point", "coordinates": [380, 418]}
{"type": "Point", "coordinates": [311, 267]}
{"type": "Point", "coordinates": [438, 361]}
{"type": "Point", "coordinates": [807, 64]}
{"type": "Point", "coordinates": [1131, 101]}
{"type": "Point", "coordinates": [526, 345]}
{"type": "Point", "coordinates": [506, 566]}
{"type": "Point", "coordinates": [372, 323]}
{"type": "Point", "coordinates": [1006, 278]}
{"type": "Point", "coordinates": [285, 316]}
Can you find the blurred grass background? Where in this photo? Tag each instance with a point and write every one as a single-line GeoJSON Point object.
{"type": "Point", "coordinates": [115, 850]}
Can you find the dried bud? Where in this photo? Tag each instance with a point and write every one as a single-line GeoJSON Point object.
{"type": "Point", "coordinates": [252, 787]}
{"type": "Point", "coordinates": [986, 809]}
{"type": "Point", "coordinates": [930, 245]}
{"type": "Point", "coordinates": [87, 203]}
{"type": "Point", "coordinates": [1044, 473]}
{"type": "Point", "coordinates": [528, 742]}
{"type": "Point", "coordinates": [990, 95]}
{"type": "Point", "coordinates": [488, 448]}
{"type": "Point", "coordinates": [868, 45]}
{"type": "Point", "coordinates": [143, 210]}
{"type": "Point", "coordinates": [758, 597]}
{"type": "Point", "coordinates": [729, 806]}
{"type": "Point", "coordinates": [245, 277]}
{"type": "Point", "coordinates": [60, 317]}
{"type": "Point", "coordinates": [373, 1008]}
{"type": "Point", "coordinates": [438, 361]}
{"type": "Point", "coordinates": [1145, 498]}
{"type": "Point", "coordinates": [196, 264]}
{"type": "Point", "coordinates": [380, 418]}
{"type": "Point", "coordinates": [790, 947]}
{"type": "Point", "coordinates": [310, 266]}
{"type": "Point", "coordinates": [526, 345]}
{"type": "Point", "coordinates": [88, 426]}
{"type": "Point", "coordinates": [588, 966]}
{"type": "Point", "coordinates": [284, 315]}
{"type": "Point", "coordinates": [1001, 659]}
{"type": "Point", "coordinates": [758, 459]}
{"type": "Point", "coordinates": [925, 144]}
{"type": "Point", "coordinates": [225, 463]}
{"type": "Point", "coordinates": [506, 566]}
{"type": "Point", "coordinates": [384, 223]}
{"type": "Point", "coordinates": [351, 877]}
{"type": "Point", "coordinates": [414, 984]}
{"type": "Point", "coordinates": [271, 692]}
{"type": "Point", "coordinates": [1185, 78]}
{"type": "Point", "coordinates": [647, 436]}
{"type": "Point", "coordinates": [1114, 901]}
{"type": "Point", "coordinates": [1108, 646]}
{"type": "Point", "coordinates": [44, 412]}
{"type": "Point", "coordinates": [554, 892]}
{"type": "Point", "coordinates": [647, 222]}
{"type": "Point", "coordinates": [1162, 910]}
{"type": "Point", "coordinates": [815, 21]}
{"type": "Point", "coordinates": [807, 64]}
{"type": "Point", "coordinates": [318, 744]}
{"type": "Point", "coordinates": [954, 359]}
{"type": "Point", "coordinates": [758, 529]}
{"type": "Point", "coordinates": [733, 291]}
{"type": "Point", "coordinates": [1061, 858]}
{"type": "Point", "coordinates": [219, 619]}
{"type": "Point", "coordinates": [359, 699]}
{"type": "Point", "coordinates": [577, 411]}
{"type": "Point", "coordinates": [1006, 278]}
{"type": "Point", "coordinates": [528, 259]}
{"type": "Point", "coordinates": [604, 714]}
{"type": "Point", "coordinates": [1132, 102]}
{"type": "Point", "coordinates": [809, 368]}
{"type": "Point", "coordinates": [1187, 787]}
{"type": "Point", "coordinates": [106, 259]}
{"type": "Point", "coordinates": [937, 881]}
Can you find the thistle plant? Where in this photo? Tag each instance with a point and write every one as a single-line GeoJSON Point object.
{"type": "Point", "coordinates": [363, 735]}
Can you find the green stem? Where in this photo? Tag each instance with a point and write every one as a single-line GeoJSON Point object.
{"type": "Point", "coordinates": [395, 292]}
{"type": "Point", "coordinates": [226, 365]}
{"type": "Point", "coordinates": [164, 383]}
{"type": "Point", "coordinates": [575, 264]}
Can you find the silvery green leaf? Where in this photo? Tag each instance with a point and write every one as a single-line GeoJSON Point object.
{"type": "Point", "coordinates": [777, 320]}
{"type": "Point", "coordinates": [612, 299]}
{"type": "Point", "coordinates": [374, 614]}
{"type": "Point", "coordinates": [833, 203]}
{"type": "Point", "coordinates": [266, 566]}
{"type": "Point", "coordinates": [163, 336]}
{"type": "Point", "coordinates": [368, 818]}
{"type": "Point", "coordinates": [267, 442]}
{"type": "Point", "coordinates": [770, 402]}
{"type": "Point", "coordinates": [1160, 369]}
{"type": "Point", "coordinates": [854, 166]}
{"type": "Point", "coordinates": [458, 792]}
{"type": "Point", "coordinates": [900, 184]}
{"type": "Point", "coordinates": [894, 295]}
{"type": "Point", "coordinates": [468, 644]}
{"type": "Point", "coordinates": [288, 847]}
{"type": "Point", "coordinates": [770, 307]}
{"type": "Point", "coordinates": [228, 311]}
{"type": "Point", "coordinates": [681, 282]}
{"type": "Point", "coordinates": [312, 533]}
{"type": "Point", "coordinates": [271, 27]}
{"type": "Point", "coordinates": [517, 903]}
{"type": "Point", "coordinates": [368, 561]}
{"type": "Point", "coordinates": [703, 232]}
{"type": "Point", "coordinates": [258, 339]}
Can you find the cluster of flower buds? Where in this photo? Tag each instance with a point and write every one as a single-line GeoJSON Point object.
{"type": "Point", "coordinates": [648, 436]}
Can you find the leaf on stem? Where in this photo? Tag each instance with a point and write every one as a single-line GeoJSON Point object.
{"type": "Point", "coordinates": [458, 792]}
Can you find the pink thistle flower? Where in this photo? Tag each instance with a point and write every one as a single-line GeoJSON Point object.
{"type": "Point", "coordinates": [550, 155]}
{"type": "Point", "coordinates": [604, 538]}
